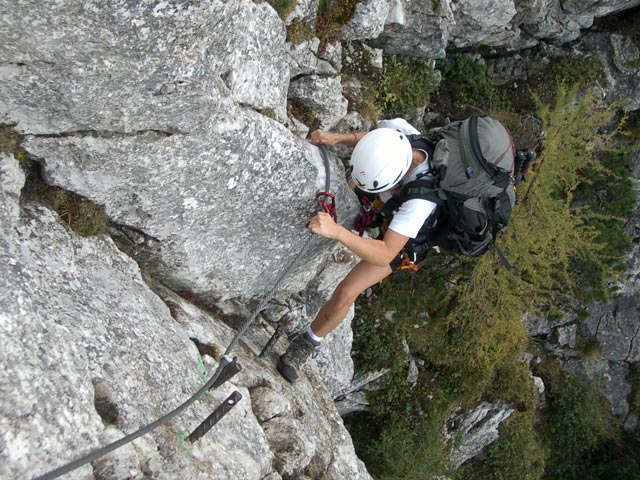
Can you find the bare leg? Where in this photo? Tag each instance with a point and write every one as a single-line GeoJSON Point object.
{"type": "Point", "coordinates": [357, 281]}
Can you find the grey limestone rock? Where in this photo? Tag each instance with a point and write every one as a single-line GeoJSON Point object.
{"type": "Point", "coordinates": [94, 353]}
{"type": "Point", "coordinates": [475, 430]}
{"type": "Point", "coordinates": [419, 29]}
{"type": "Point", "coordinates": [303, 59]}
{"type": "Point", "coordinates": [597, 8]}
{"type": "Point", "coordinates": [616, 327]}
{"type": "Point", "coordinates": [322, 95]}
{"type": "Point", "coordinates": [367, 21]}
{"type": "Point", "coordinates": [539, 324]}
{"type": "Point", "coordinates": [305, 11]}
{"type": "Point", "coordinates": [196, 198]}
{"type": "Point", "coordinates": [566, 335]}
{"type": "Point", "coordinates": [169, 140]}
{"type": "Point", "coordinates": [121, 464]}
{"type": "Point", "coordinates": [294, 449]}
{"type": "Point", "coordinates": [427, 29]}
{"type": "Point", "coordinates": [118, 67]}
{"type": "Point", "coordinates": [90, 346]}
{"type": "Point", "coordinates": [483, 23]}
{"type": "Point", "coordinates": [619, 55]}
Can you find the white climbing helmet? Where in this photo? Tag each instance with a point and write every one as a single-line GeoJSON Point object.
{"type": "Point", "coordinates": [380, 159]}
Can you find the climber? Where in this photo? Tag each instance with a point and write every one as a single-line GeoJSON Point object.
{"type": "Point", "coordinates": [382, 161]}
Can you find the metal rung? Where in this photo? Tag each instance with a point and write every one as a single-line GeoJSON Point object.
{"type": "Point", "coordinates": [215, 417]}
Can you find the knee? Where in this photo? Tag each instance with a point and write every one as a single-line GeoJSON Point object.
{"type": "Point", "coordinates": [345, 294]}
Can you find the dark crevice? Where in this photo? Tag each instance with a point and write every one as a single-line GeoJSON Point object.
{"type": "Point", "coordinates": [209, 349]}
{"type": "Point", "coordinates": [78, 213]}
{"type": "Point", "coordinates": [104, 405]}
{"type": "Point", "coordinates": [109, 134]}
{"type": "Point", "coordinates": [133, 235]}
{"type": "Point", "coordinates": [632, 344]}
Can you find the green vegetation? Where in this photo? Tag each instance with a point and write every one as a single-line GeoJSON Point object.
{"type": "Point", "coordinates": [575, 71]}
{"type": "Point", "coordinates": [606, 194]}
{"type": "Point", "coordinates": [10, 143]}
{"type": "Point", "coordinates": [332, 16]}
{"type": "Point", "coordinates": [81, 215]}
{"type": "Point", "coordinates": [398, 89]}
{"type": "Point", "coordinates": [405, 85]}
{"type": "Point", "coordinates": [282, 7]}
{"type": "Point", "coordinates": [578, 421]}
{"type": "Point", "coordinates": [461, 318]}
{"type": "Point", "coordinates": [299, 32]}
{"type": "Point", "coordinates": [468, 82]}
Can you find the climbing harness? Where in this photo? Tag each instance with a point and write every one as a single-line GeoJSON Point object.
{"type": "Point", "coordinates": [407, 263]}
{"type": "Point", "coordinates": [370, 216]}
{"type": "Point", "coordinates": [225, 362]}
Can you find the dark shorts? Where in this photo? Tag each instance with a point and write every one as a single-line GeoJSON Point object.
{"type": "Point", "coordinates": [396, 262]}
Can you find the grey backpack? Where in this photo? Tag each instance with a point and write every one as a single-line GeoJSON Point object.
{"type": "Point", "coordinates": [472, 163]}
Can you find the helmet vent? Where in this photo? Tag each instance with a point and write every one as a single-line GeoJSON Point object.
{"type": "Point", "coordinates": [375, 184]}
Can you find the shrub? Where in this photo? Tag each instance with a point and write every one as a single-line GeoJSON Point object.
{"type": "Point", "coordinates": [282, 7]}
{"type": "Point", "coordinates": [10, 142]}
{"type": "Point", "coordinates": [80, 214]}
{"type": "Point", "coordinates": [462, 316]}
{"type": "Point", "coordinates": [575, 71]}
{"type": "Point", "coordinates": [579, 421]}
{"type": "Point", "coordinates": [331, 17]}
{"type": "Point", "coordinates": [469, 82]}
{"type": "Point", "coordinates": [398, 90]}
{"type": "Point", "coordinates": [299, 32]}
{"type": "Point", "coordinates": [607, 196]}
{"type": "Point", "coordinates": [405, 85]}
{"type": "Point", "coordinates": [519, 453]}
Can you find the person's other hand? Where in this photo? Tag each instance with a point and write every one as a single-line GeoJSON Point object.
{"type": "Point", "coordinates": [322, 137]}
{"type": "Point", "coordinates": [323, 225]}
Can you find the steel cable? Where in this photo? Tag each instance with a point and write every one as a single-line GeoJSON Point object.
{"type": "Point", "coordinates": [224, 360]}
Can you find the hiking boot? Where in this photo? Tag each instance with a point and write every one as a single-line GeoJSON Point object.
{"type": "Point", "coordinates": [299, 351]}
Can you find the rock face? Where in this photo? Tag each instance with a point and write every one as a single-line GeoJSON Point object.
{"type": "Point", "coordinates": [182, 162]}
{"type": "Point", "coordinates": [195, 198]}
{"type": "Point", "coordinates": [475, 430]}
{"type": "Point", "coordinates": [173, 116]}
{"type": "Point", "coordinates": [620, 57]}
{"type": "Point", "coordinates": [141, 66]}
{"type": "Point", "coordinates": [93, 353]}
{"type": "Point", "coordinates": [428, 29]}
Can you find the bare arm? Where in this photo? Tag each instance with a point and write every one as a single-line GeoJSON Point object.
{"type": "Point", "coordinates": [376, 252]}
{"type": "Point", "coordinates": [322, 137]}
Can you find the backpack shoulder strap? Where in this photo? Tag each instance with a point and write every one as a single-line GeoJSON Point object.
{"type": "Point", "coordinates": [425, 188]}
{"type": "Point", "coordinates": [422, 188]}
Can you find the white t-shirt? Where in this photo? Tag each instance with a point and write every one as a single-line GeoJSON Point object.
{"type": "Point", "coordinates": [409, 218]}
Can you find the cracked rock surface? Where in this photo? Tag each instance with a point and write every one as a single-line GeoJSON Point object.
{"type": "Point", "coordinates": [95, 353]}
